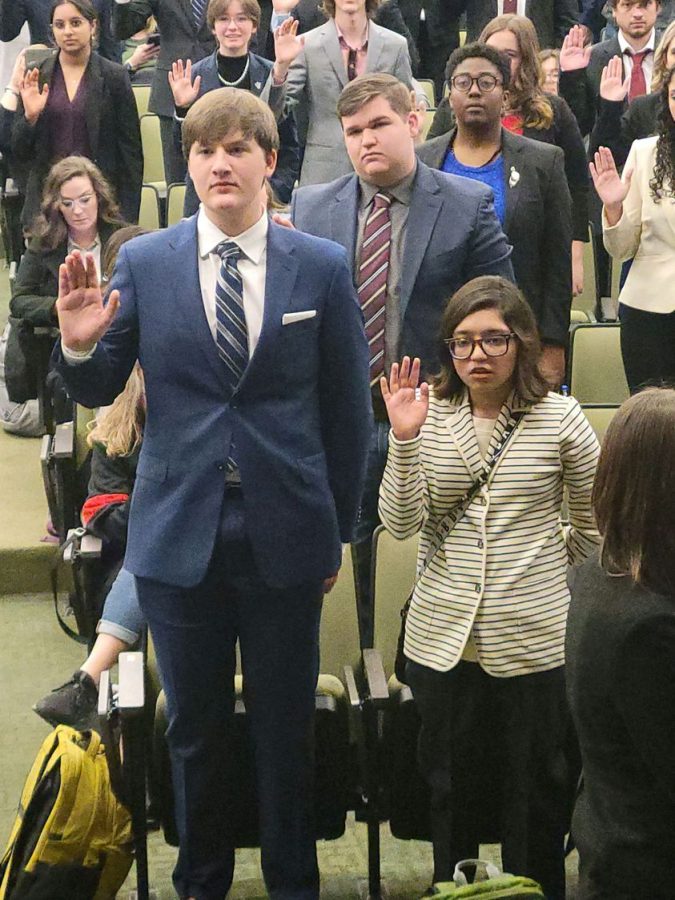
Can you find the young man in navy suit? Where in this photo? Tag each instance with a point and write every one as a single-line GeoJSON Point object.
{"type": "Point", "coordinates": [258, 415]}
{"type": "Point", "coordinates": [444, 232]}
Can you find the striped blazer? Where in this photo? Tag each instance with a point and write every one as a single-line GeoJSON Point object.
{"type": "Point", "coordinates": [501, 572]}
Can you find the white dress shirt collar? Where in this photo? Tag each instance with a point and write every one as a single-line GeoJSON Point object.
{"type": "Point", "coordinates": [623, 43]}
{"type": "Point", "coordinates": [252, 242]}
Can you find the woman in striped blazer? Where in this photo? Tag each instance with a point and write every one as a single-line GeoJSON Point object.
{"type": "Point", "coordinates": [486, 628]}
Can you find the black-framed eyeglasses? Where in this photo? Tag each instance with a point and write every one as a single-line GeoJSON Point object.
{"type": "Point", "coordinates": [490, 344]}
{"type": "Point", "coordinates": [486, 83]}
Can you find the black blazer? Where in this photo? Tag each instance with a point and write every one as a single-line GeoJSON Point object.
{"type": "Point", "coordinates": [620, 672]}
{"type": "Point", "coordinates": [37, 280]}
{"type": "Point", "coordinates": [180, 40]}
{"type": "Point", "coordinates": [538, 224]}
{"type": "Point", "coordinates": [581, 88]}
{"type": "Point", "coordinates": [564, 133]}
{"type": "Point", "coordinates": [113, 130]}
{"type": "Point", "coordinates": [619, 124]}
{"type": "Point", "coordinates": [552, 19]}
{"type": "Point", "coordinates": [14, 13]}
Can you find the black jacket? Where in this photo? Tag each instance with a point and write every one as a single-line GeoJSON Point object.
{"type": "Point", "coordinates": [538, 224]}
{"type": "Point", "coordinates": [112, 475]}
{"type": "Point", "coordinates": [564, 133]}
{"type": "Point", "coordinates": [113, 131]}
{"type": "Point", "coordinates": [620, 673]}
{"type": "Point", "coordinates": [581, 88]}
{"type": "Point", "coordinates": [552, 19]}
{"type": "Point", "coordinates": [618, 124]}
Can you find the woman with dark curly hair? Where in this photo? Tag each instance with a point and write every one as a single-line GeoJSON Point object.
{"type": "Point", "coordinates": [638, 220]}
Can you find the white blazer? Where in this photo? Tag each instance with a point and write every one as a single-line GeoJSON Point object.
{"type": "Point", "coordinates": [646, 231]}
{"type": "Point", "coordinates": [501, 572]}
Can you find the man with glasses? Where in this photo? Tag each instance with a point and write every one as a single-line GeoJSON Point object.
{"type": "Point", "coordinates": [413, 236]}
{"type": "Point", "coordinates": [527, 177]}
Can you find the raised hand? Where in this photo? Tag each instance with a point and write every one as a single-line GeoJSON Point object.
{"type": "Point", "coordinates": [287, 47]}
{"type": "Point", "coordinates": [180, 79]}
{"type": "Point", "coordinates": [34, 100]}
{"type": "Point", "coordinates": [574, 53]}
{"type": "Point", "coordinates": [284, 6]}
{"type": "Point", "coordinates": [609, 186]}
{"type": "Point", "coordinates": [406, 399]}
{"type": "Point", "coordinates": [83, 317]}
{"type": "Point", "coordinates": [18, 72]}
{"type": "Point", "coordinates": [613, 86]}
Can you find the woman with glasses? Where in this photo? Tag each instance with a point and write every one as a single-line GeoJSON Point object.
{"type": "Point", "coordinates": [549, 61]}
{"type": "Point", "coordinates": [78, 212]}
{"type": "Point", "coordinates": [538, 115]}
{"type": "Point", "coordinates": [528, 181]}
{"type": "Point", "coordinates": [77, 103]}
{"type": "Point", "coordinates": [485, 631]}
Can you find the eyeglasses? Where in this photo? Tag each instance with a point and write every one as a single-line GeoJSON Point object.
{"type": "Point", "coordinates": [82, 201]}
{"type": "Point", "coordinates": [490, 344]}
{"type": "Point", "coordinates": [239, 20]}
{"type": "Point", "coordinates": [486, 83]}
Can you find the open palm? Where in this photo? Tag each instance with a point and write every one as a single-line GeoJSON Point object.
{"type": "Point", "coordinates": [83, 316]}
{"type": "Point", "coordinates": [609, 186]}
{"type": "Point", "coordinates": [407, 400]}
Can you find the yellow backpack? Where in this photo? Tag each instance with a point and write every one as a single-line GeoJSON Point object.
{"type": "Point", "coordinates": [71, 838]}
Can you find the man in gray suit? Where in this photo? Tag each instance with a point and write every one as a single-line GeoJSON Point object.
{"type": "Point", "coordinates": [443, 232]}
{"type": "Point", "coordinates": [552, 19]}
{"type": "Point", "coordinates": [327, 58]}
{"type": "Point", "coordinates": [185, 35]}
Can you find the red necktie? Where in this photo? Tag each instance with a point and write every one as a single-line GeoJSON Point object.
{"type": "Point", "coordinates": [372, 280]}
{"type": "Point", "coordinates": [510, 6]}
{"type": "Point", "coordinates": [638, 83]}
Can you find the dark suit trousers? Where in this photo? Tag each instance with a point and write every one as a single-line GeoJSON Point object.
{"type": "Point", "coordinates": [647, 347]}
{"type": "Point", "coordinates": [194, 632]}
{"type": "Point", "coordinates": [493, 753]}
{"type": "Point", "coordinates": [175, 166]}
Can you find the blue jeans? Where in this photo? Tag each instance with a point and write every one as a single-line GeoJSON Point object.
{"type": "Point", "coordinates": [122, 616]}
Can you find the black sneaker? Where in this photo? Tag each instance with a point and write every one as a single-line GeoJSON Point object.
{"type": "Point", "coordinates": [74, 703]}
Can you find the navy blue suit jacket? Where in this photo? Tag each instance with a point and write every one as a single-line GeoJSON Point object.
{"type": "Point", "coordinates": [288, 161]}
{"type": "Point", "coordinates": [300, 417]}
{"type": "Point", "coordinates": [452, 236]}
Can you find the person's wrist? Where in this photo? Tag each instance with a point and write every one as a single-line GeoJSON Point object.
{"type": "Point", "coordinates": [10, 90]}
{"type": "Point", "coordinates": [613, 212]}
{"type": "Point", "coordinates": [405, 434]}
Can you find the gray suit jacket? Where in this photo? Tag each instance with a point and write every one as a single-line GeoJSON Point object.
{"type": "Point", "coordinates": [537, 222]}
{"type": "Point", "coordinates": [552, 19]}
{"type": "Point", "coordinates": [317, 77]}
{"type": "Point", "coordinates": [180, 40]}
{"type": "Point", "coordinates": [452, 236]}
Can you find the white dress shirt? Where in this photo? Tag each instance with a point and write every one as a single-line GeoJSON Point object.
{"type": "Point", "coordinates": [252, 268]}
{"type": "Point", "coordinates": [647, 62]}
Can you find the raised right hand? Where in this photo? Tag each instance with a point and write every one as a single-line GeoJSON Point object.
{"type": "Point", "coordinates": [613, 86]}
{"type": "Point", "coordinates": [180, 78]}
{"type": "Point", "coordinates": [574, 53]}
{"type": "Point", "coordinates": [406, 399]}
{"type": "Point", "coordinates": [83, 317]}
{"type": "Point", "coordinates": [609, 186]}
{"type": "Point", "coordinates": [34, 100]}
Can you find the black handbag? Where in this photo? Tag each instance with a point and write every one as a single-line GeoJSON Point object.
{"type": "Point", "coordinates": [443, 529]}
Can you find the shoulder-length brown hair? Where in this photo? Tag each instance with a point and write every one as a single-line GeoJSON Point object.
{"type": "Point", "coordinates": [634, 491]}
{"type": "Point", "coordinates": [50, 226]}
{"type": "Point", "coordinates": [525, 93]}
{"type": "Point", "coordinates": [493, 292]}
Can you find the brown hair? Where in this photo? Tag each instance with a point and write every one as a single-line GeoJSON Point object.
{"type": "Point", "coordinates": [328, 8]}
{"type": "Point", "coordinates": [493, 292]}
{"type": "Point", "coordinates": [634, 489]}
{"type": "Point", "coordinates": [218, 8]}
{"type": "Point", "coordinates": [112, 247]}
{"type": "Point", "coordinates": [661, 56]}
{"type": "Point", "coordinates": [525, 93]}
{"type": "Point", "coordinates": [50, 226]}
{"type": "Point", "coordinates": [227, 110]}
{"type": "Point", "coordinates": [367, 87]}
{"type": "Point", "coordinates": [615, 3]}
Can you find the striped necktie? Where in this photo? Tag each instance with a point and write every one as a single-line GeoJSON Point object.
{"type": "Point", "coordinates": [231, 333]}
{"type": "Point", "coordinates": [198, 10]}
{"type": "Point", "coordinates": [372, 280]}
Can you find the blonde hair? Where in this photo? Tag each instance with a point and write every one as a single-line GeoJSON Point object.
{"type": "Point", "coordinates": [661, 66]}
{"type": "Point", "coordinates": [120, 429]}
{"type": "Point", "coordinates": [525, 93]}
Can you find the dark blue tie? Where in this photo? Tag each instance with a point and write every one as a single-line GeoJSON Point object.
{"type": "Point", "coordinates": [231, 333]}
{"type": "Point", "coordinates": [198, 9]}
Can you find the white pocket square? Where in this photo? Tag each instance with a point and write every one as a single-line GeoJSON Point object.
{"type": "Point", "coordinates": [292, 318]}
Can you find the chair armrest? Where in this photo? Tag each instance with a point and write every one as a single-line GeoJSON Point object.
{"type": "Point", "coordinates": [63, 446]}
{"type": "Point", "coordinates": [131, 696]}
{"type": "Point", "coordinates": [376, 680]}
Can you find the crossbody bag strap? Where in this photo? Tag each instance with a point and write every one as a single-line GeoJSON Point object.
{"type": "Point", "coordinates": [450, 519]}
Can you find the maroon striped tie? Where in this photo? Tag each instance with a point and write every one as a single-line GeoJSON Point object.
{"type": "Point", "coordinates": [372, 280]}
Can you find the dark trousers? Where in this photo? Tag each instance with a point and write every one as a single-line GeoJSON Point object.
{"type": "Point", "coordinates": [194, 632]}
{"type": "Point", "coordinates": [175, 166]}
{"type": "Point", "coordinates": [647, 347]}
{"type": "Point", "coordinates": [492, 751]}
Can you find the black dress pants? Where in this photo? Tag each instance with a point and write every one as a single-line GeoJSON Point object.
{"type": "Point", "coordinates": [492, 751]}
{"type": "Point", "coordinates": [647, 347]}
